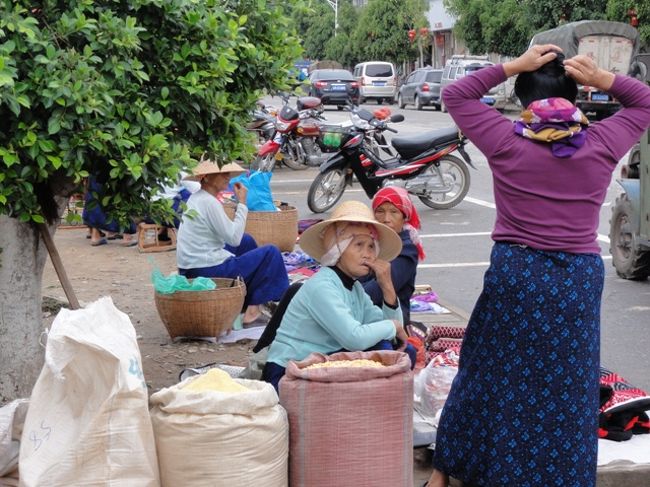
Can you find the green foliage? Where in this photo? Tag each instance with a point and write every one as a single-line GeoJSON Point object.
{"type": "Point", "coordinates": [131, 91]}
{"type": "Point", "coordinates": [506, 26]}
{"type": "Point", "coordinates": [617, 10]}
{"type": "Point", "coordinates": [315, 24]}
{"type": "Point", "coordinates": [382, 29]}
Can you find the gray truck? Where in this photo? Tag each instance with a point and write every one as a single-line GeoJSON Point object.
{"type": "Point", "coordinates": [613, 45]}
{"type": "Point", "coordinates": [629, 232]}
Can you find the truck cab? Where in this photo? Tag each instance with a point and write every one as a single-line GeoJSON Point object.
{"type": "Point", "coordinates": [612, 45]}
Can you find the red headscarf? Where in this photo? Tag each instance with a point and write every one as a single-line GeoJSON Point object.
{"type": "Point", "coordinates": [400, 198]}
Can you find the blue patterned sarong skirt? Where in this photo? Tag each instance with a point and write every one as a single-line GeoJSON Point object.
{"type": "Point", "coordinates": [523, 409]}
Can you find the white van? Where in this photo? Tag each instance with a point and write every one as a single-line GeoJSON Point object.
{"type": "Point", "coordinates": [377, 79]}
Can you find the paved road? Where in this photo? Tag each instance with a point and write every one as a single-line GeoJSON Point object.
{"type": "Point", "coordinates": [457, 243]}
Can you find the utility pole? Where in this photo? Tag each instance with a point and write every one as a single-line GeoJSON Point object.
{"type": "Point", "coordinates": [335, 5]}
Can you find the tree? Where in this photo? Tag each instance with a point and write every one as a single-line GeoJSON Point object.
{"type": "Point", "coordinates": [506, 26]}
{"type": "Point", "coordinates": [315, 24]}
{"type": "Point", "coordinates": [382, 29]}
{"type": "Point", "coordinates": [131, 90]}
{"type": "Point", "coordinates": [341, 47]}
{"type": "Point", "coordinates": [618, 10]}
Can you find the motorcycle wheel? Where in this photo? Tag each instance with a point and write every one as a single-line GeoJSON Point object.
{"type": "Point", "coordinates": [628, 258]}
{"type": "Point", "coordinates": [294, 160]}
{"type": "Point", "coordinates": [263, 163]}
{"type": "Point", "coordinates": [326, 189]}
{"type": "Point", "coordinates": [455, 179]}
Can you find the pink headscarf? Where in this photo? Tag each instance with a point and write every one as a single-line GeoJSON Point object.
{"type": "Point", "coordinates": [400, 198]}
{"type": "Point", "coordinates": [338, 236]}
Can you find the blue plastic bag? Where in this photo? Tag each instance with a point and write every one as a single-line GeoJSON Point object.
{"type": "Point", "coordinates": [259, 196]}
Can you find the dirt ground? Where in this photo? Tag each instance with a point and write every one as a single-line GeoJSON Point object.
{"type": "Point", "coordinates": [124, 274]}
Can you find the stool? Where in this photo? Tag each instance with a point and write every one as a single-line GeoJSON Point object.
{"type": "Point", "coordinates": [149, 241]}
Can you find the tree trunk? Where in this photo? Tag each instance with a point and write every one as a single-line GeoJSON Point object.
{"type": "Point", "coordinates": [22, 258]}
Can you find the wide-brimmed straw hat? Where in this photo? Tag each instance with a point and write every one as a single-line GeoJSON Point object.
{"type": "Point", "coordinates": [311, 241]}
{"type": "Point", "coordinates": [209, 167]}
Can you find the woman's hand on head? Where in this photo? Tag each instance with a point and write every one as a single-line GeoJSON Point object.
{"type": "Point", "coordinates": [533, 59]}
{"type": "Point", "coordinates": [241, 192]}
{"type": "Point", "coordinates": [585, 71]}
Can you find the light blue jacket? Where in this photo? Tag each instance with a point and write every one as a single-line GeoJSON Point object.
{"type": "Point", "coordinates": [326, 317]}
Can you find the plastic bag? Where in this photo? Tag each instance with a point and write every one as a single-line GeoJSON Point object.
{"type": "Point", "coordinates": [175, 282]}
{"type": "Point", "coordinates": [433, 383]}
{"type": "Point", "coordinates": [259, 196]}
{"type": "Point", "coordinates": [12, 418]}
{"type": "Point", "coordinates": [88, 419]}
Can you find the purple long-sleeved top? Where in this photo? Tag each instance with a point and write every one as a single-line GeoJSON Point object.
{"type": "Point", "coordinates": [546, 202]}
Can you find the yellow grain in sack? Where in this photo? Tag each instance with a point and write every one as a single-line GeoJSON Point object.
{"type": "Point", "coordinates": [215, 380]}
{"type": "Point", "coordinates": [346, 363]}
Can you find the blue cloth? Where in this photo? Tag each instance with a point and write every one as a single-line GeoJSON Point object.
{"type": "Point", "coordinates": [261, 268]}
{"type": "Point", "coordinates": [523, 409]}
{"type": "Point", "coordinates": [93, 214]}
{"type": "Point", "coordinates": [403, 270]}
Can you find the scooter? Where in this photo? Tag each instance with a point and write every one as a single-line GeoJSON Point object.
{"type": "Point", "coordinates": [424, 165]}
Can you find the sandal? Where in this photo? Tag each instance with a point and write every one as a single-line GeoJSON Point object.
{"type": "Point", "coordinates": [101, 241]}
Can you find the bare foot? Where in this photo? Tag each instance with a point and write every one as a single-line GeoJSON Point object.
{"type": "Point", "coordinates": [438, 479]}
{"type": "Point", "coordinates": [251, 314]}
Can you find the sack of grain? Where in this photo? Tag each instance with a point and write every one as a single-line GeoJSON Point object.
{"type": "Point", "coordinates": [350, 426]}
{"type": "Point", "coordinates": [214, 431]}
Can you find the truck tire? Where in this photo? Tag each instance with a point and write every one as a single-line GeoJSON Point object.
{"type": "Point", "coordinates": [630, 261]}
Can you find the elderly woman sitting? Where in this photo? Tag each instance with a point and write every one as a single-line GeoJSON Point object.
{"type": "Point", "coordinates": [210, 244]}
{"type": "Point", "coordinates": [331, 311]}
{"type": "Point", "coordinates": [393, 207]}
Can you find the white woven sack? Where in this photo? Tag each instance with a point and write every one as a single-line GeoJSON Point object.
{"type": "Point", "coordinates": [215, 439]}
{"type": "Point", "coordinates": [88, 421]}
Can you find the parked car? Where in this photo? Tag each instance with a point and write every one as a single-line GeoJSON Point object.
{"type": "Point", "coordinates": [462, 65]}
{"type": "Point", "coordinates": [334, 87]}
{"type": "Point", "coordinates": [377, 79]}
{"type": "Point", "coordinates": [421, 88]}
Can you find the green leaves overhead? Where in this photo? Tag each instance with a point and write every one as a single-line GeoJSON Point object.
{"type": "Point", "coordinates": [131, 92]}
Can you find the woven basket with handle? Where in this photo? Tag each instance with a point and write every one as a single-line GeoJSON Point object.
{"type": "Point", "coordinates": [279, 228]}
{"type": "Point", "coordinates": [202, 313]}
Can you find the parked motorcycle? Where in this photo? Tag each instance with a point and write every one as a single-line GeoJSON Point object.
{"type": "Point", "coordinates": [296, 139]}
{"type": "Point", "coordinates": [424, 164]}
{"type": "Point", "coordinates": [263, 122]}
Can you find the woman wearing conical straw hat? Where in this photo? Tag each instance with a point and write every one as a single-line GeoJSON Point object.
{"type": "Point", "coordinates": [331, 311]}
{"type": "Point", "coordinates": [210, 244]}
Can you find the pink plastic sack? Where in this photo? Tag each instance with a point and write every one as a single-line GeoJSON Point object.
{"type": "Point", "coordinates": [350, 426]}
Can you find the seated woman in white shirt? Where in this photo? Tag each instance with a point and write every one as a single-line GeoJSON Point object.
{"type": "Point", "coordinates": [210, 244]}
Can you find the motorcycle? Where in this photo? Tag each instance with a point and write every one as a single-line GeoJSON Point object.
{"type": "Point", "coordinates": [263, 122]}
{"type": "Point", "coordinates": [423, 164]}
{"type": "Point", "coordinates": [296, 139]}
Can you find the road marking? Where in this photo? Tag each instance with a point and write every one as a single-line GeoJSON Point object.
{"type": "Point", "coordinates": [289, 181]}
{"type": "Point", "coordinates": [471, 264]}
{"type": "Point", "coordinates": [446, 235]}
{"type": "Point", "coordinates": [302, 192]}
{"type": "Point", "coordinates": [476, 201]}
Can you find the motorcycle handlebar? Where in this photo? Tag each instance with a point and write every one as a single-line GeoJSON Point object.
{"type": "Point", "coordinates": [391, 130]}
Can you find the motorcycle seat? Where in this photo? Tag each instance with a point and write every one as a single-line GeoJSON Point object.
{"type": "Point", "coordinates": [413, 145]}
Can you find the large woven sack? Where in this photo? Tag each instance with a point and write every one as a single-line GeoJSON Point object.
{"type": "Point", "coordinates": [88, 418]}
{"type": "Point", "coordinates": [350, 427]}
{"type": "Point", "coordinates": [216, 439]}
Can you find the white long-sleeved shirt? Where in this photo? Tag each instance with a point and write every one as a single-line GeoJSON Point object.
{"type": "Point", "coordinates": [204, 231]}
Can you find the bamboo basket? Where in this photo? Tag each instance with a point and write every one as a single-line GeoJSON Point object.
{"type": "Point", "coordinates": [279, 228]}
{"type": "Point", "coordinates": [202, 313]}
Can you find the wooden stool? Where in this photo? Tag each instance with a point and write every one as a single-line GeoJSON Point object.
{"type": "Point", "coordinates": [148, 238]}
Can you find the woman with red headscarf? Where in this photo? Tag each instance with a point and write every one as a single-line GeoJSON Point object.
{"type": "Point", "coordinates": [393, 207]}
